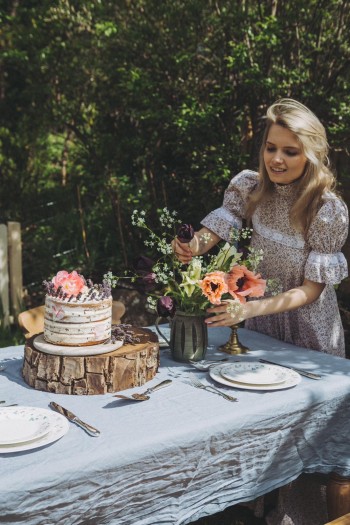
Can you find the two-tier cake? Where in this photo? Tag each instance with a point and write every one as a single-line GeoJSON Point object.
{"type": "Point", "coordinates": [77, 312]}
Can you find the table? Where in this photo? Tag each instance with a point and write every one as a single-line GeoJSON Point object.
{"type": "Point", "coordinates": [185, 453]}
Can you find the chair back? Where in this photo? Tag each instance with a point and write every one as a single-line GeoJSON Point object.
{"type": "Point", "coordinates": [31, 321]}
{"type": "Point", "coordinates": [118, 310]}
{"type": "Point", "coordinates": [343, 520]}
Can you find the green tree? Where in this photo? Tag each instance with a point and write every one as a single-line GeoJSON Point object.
{"type": "Point", "coordinates": [110, 106]}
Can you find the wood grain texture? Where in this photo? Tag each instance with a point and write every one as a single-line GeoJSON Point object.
{"type": "Point", "coordinates": [126, 367]}
{"type": "Point", "coordinates": [338, 498]}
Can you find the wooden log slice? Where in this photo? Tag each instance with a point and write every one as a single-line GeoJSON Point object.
{"type": "Point", "coordinates": [126, 367]}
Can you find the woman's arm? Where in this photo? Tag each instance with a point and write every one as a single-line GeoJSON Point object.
{"type": "Point", "coordinates": [307, 293]}
{"type": "Point", "coordinates": [201, 243]}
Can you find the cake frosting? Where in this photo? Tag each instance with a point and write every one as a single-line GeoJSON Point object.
{"type": "Point", "coordinates": [77, 312]}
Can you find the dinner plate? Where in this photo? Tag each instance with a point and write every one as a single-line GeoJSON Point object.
{"type": "Point", "coordinates": [74, 351]}
{"type": "Point", "coordinates": [254, 373]}
{"type": "Point", "coordinates": [55, 426]}
{"type": "Point", "coordinates": [292, 379]}
{"type": "Point", "coordinates": [15, 429]}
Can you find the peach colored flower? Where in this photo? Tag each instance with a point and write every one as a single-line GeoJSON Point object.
{"type": "Point", "coordinates": [242, 283]}
{"type": "Point", "coordinates": [71, 283]}
{"type": "Point", "coordinates": [213, 286]}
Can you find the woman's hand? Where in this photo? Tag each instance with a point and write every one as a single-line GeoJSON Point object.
{"type": "Point", "coordinates": [201, 243]}
{"type": "Point", "coordinates": [227, 313]}
{"type": "Point", "coordinates": [224, 314]}
{"type": "Point", "coordinates": [182, 251]}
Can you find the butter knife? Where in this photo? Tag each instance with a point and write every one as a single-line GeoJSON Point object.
{"type": "Point", "coordinates": [74, 419]}
{"type": "Point", "coordinates": [305, 373]}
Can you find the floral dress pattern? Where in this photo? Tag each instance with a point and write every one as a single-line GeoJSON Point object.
{"type": "Point", "coordinates": [289, 258]}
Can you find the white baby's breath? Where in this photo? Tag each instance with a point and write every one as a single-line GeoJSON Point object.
{"type": "Point", "coordinates": [205, 237]}
{"type": "Point", "coordinates": [152, 303]}
{"type": "Point", "coordinates": [255, 258]}
{"type": "Point", "coordinates": [235, 309]}
{"type": "Point", "coordinates": [274, 286]}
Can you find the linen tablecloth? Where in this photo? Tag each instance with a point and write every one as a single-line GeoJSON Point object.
{"type": "Point", "coordinates": [185, 453]}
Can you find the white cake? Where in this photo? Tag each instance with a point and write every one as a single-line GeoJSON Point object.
{"type": "Point", "coordinates": [77, 314]}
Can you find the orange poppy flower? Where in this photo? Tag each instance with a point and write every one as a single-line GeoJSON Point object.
{"type": "Point", "coordinates": [213, 286]}
{"type": "Point", "coordinates": [242, 283]}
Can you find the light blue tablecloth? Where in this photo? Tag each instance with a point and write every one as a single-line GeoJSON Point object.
{"type": "Point", "coordinates": [183, 454]}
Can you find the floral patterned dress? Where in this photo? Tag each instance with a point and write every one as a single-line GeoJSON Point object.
{"type": "Point", "coordinates": [290, 258]}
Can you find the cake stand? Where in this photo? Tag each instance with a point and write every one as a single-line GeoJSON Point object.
{"type": "Point", "coordinates": [88, 374]}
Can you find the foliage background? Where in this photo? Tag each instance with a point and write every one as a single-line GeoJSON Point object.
{"type": "Point", "coordinates": [107, 106]}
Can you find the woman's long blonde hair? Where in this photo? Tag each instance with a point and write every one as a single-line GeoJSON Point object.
{"type": "Point", "coordinates": [317, 177]}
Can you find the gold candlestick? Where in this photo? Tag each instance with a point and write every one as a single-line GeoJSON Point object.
{"type": "Point", "coordinates": [233, 345]}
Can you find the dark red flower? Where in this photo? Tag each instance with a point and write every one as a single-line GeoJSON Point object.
{"type": "Point", "coordinates": [185, 233]}
{"type": "Point", "coordinates": [165, 306]}
{"type": "Point", "coordinates": [143, 264]}
{"type": "Point", "coordinates": [149, 281]}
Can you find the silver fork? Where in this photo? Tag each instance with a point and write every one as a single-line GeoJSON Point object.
{"type": "Point", "coordinates": [198, 384]}
{"type": "Point", "coordinates": [205, 364]}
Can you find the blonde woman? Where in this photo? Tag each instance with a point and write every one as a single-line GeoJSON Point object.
{"type": "Point", "coordinates": [298, 221]}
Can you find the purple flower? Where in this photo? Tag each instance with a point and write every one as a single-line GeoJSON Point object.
{"type": "Point", "coordinates": [165, 306]}
{"type": "Point", "coordinates": [149, 281]}
{"type": "Point", "coordinates": [185, 233]}
{"type": "Point", "coordinates": [143, 264]}
{"type": "Point", "coordinates": [244, 250]}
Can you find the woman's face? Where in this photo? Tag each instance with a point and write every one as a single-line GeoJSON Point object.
{"type": "Point", "coordinates": [283, 156]}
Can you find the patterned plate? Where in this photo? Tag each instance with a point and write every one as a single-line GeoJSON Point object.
{"type": "Point", "coordinates": [292, 379]}
{"type": "Point", "coordinates": [254, 373]}
{"type": "Point", "coordinates": [34, 420]}
{"type": "Point", "coordinates": [15, 429]}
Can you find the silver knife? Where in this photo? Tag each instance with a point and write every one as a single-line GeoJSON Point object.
{"type": "Point", "coordinates": [305, 373]}
{"type": "Point", "coordinates": [72, 417]}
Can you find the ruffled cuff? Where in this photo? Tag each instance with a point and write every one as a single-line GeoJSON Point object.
{"type": "Point", "coordinates": [328, 268]}
{"type": "Point", "coordinates": [221, 222]}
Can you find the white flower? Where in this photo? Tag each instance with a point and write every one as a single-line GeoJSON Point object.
{"type": "Point", "coordinates": [224, 255]}
{"type": "Point", "coordinates": [235, 309]}
{"type": "Point", "coordinates": [191, 277]}
{"type": "Point", "coordinates": [205, 237]}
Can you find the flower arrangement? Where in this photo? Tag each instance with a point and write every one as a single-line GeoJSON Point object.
{"type": "Point", "coordinates": [73, 286]}
{"type": "Point", "coordinates": [230, 275]}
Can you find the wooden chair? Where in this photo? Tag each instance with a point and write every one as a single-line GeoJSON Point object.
{"type": "Point", "coordinates": [118, 310]}
{"type": "Point", "coordinates": [31, 321]}
{"type": "Point", "coordinates": [343, 520]}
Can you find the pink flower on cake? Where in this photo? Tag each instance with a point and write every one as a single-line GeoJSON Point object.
{"type": "Point", "coordinates": [71, 283]}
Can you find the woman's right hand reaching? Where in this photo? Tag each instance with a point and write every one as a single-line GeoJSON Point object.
{"type": "Point", "coordinates": [200, 242]}
{"type": "Point", "coordinates": [182, 250]}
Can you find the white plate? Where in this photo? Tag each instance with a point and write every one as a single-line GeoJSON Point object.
{"type": "Point", "coordinates": [254, 373]}
{"type": "Point", "coordinates": [57, 426]}
{"type": "Point", "coordinates": [292, 379]}
{"type": "Point", "coordinates": [14, 429]}
{"type": "Point", "coordinates": [74, 351]}
{"type": "Point", "coordinates": [165, 330]}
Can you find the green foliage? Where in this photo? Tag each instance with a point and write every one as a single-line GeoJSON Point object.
{"type": "Point", "coordinates": [108, 106]}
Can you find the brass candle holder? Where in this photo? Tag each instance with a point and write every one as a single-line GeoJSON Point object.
{"type": "Point", "coordinates": [233, 345]}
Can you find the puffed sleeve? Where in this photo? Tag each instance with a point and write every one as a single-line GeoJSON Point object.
{"type": "Point", "coordinates": [327, 234]}
{"type": "Point", "coordinates": [230, 215]}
